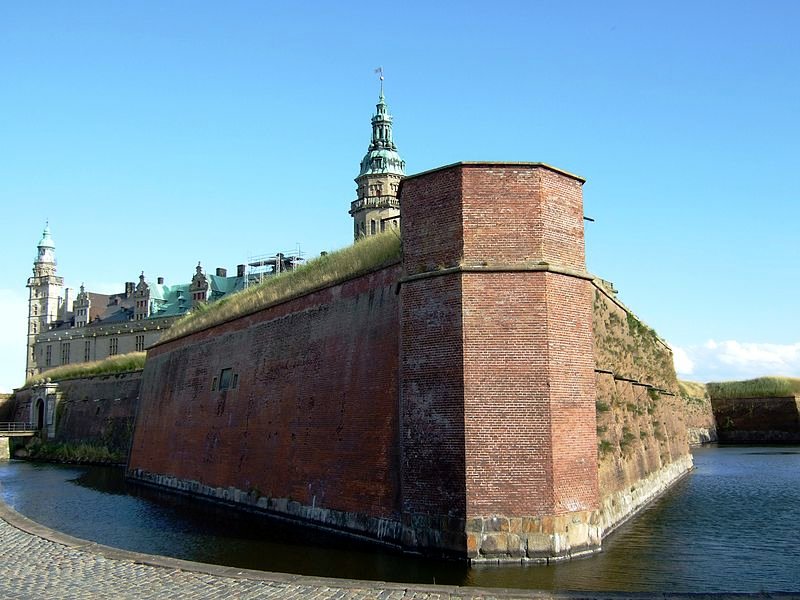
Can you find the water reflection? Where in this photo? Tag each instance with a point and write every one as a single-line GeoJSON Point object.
{"type": "Point", "coordinates": [729, 526]}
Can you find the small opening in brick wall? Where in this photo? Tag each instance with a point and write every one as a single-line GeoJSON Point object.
{"type": "Point", "coordinates": [225, 378]}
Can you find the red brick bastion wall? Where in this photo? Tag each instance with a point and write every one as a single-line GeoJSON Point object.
{"type": "Point", "coordinates": [308, 426]}
{"type": "Point", "coordinates": [445, 404]}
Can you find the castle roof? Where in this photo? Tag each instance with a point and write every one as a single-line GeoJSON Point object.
{"type": "Point", "coordinates": [47, 240]}
{"type": "Point", "coordinates": [382, 156]}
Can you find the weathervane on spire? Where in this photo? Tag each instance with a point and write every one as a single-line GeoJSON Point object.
{"type": "Point", "coordinates": [379, 70]}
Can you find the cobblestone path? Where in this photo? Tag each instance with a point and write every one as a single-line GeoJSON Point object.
{"type": "Point", "coordinates": [36, 562]}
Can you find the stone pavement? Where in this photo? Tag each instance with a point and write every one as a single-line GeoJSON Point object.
{"type": "Point", "coordinates": [37, 562]}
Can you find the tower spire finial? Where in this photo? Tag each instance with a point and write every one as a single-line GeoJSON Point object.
{"type": "Point", "coordinates": [379, 70]}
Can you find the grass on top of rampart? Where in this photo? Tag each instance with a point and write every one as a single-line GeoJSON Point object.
{"type": "Point", "coordinates": [121, 363]}
{"type": "Point", "coordinates": [692, 390]}
{"type": "Point", "coordinates": [363, 256]}
{"type": "Point", "coordinates": [763, 387]}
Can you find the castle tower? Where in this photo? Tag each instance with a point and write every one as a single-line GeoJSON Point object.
{"type": "Point", "coordinates": [44, 299]}
{"type": "Point", "coordinates": [199, 287]}
{"type": "Point", "coordinates": [497, 382]}
{"type": "Point", "coordinates": [377, 206]}
{"type": "Point", "coordinates": [142, 297]}
{"type": "Point", "coordinates": [82, 307]}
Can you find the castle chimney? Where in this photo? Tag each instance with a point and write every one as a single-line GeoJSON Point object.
{"type": "Point", "coordinates": [129, 288]}
{"type": "Point", "coordinates": [240, 270]}
{"type": "Point", "coordinates": [222, 272]}
{"type": "Point", "coordinates": [66, 306]}
{"type": "Point", "coordinates": [160, 281]}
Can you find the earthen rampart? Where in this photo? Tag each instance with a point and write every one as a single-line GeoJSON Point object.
{"type": "Point", "coordinates": [642, 434]}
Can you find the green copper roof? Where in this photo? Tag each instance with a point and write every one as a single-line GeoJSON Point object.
{"type": "Point", "coordinates": [46, 241]}
{"type": "Point", "coordinates": [169, 301]}
{"type": "Point", "coordinates": [382, 156]}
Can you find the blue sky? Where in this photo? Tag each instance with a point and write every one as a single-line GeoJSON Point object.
{"type": "Point", "coordinates": [154, 135]}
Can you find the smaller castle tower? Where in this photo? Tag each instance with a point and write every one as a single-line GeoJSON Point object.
{"type": "Point", "coordinates": [377, 206]}
{"type": "Point", "coordinates": [45, 297]}
{"type": "Point", "coordinates": [82, 307]}
{"type": "Point", "coordinates": [141, 295]}
{"type": "Point", "coordinates": [199, 287]}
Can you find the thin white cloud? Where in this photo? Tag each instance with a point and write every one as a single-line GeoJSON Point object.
{"type": "Point", "coordinates": [683, 364]}
{"type": "Point", "coordinates": [731, 359]}
{"type": "Point", "coordinates": [14, 308]}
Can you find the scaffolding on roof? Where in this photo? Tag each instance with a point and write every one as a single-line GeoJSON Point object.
{"type": "Point", "coordinates": [262, 267]}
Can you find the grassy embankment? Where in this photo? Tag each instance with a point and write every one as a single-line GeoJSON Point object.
{"type": "Point", "coordinates": [693, 391]}
{"type": "Point", "coordinates": [74, 453]}
{"type": "Point", "coordinates": [762, 387]}
{"type": "Point", "coordinates": [82, 452]}
{"type": "Point", "coordinates": [121, 363]}
{"type": "Point", "coordinates": [362, 257]}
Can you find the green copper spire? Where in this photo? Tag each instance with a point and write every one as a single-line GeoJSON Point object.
{"type": "Point", "coordinates": [382, 156]}
{"type": "Point", "coordinates": [47, 240]}
{"type": "Point", "coordinates": [377, 207]}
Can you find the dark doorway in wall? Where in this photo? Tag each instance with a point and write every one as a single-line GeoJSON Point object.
{"type": "Point", "coordinates": [39, 414]}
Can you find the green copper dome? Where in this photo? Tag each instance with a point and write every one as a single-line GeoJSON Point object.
{"type": "Point", "coordinates": [382, 156]}
{"type": "Point", "coordinates": [46, 241]}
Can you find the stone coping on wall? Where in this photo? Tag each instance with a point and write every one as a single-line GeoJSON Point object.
{"type": "Point", "coordinates": [467, 163]}
{"type": "Point", "coordinates": [501, 268]}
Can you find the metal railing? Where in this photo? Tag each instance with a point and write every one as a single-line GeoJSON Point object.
{"type": "Point", "coordinates": [16, 426]}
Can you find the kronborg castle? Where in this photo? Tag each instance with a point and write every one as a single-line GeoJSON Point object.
{"type": "Point", "coordinates": [473, 391]}
{"type": "Point", "coordinates": [90, 327]}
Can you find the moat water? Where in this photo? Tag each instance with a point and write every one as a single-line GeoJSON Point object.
{"type": "Point", "coordinates": [730, 526]}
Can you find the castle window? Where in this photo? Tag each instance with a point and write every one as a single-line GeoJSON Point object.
{"type": "Point", "coordinates": [113, 346]}
{"type": "Point", "coordinates": [87, 351]}
{"type": "Point", "coordinates": [225, 378]}
{"type": "Point", "coordinates": [65, 354]}
{"type": "Point", "coordinates": [139, 343]}
{"type": "Point", "coordinates": [35, 310]}
{"type": "Point", "coordinates": [48, 356]}
{"type": "Point", "coordinates": [372, 227]}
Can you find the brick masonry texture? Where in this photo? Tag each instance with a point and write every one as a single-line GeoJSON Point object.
{"type": "Point", "coordinates": [446, 404]}
{"type": "Point", "coordinates": [744, 420]}
{"type": "Point", "coordinates": [312, 419]}
{"type": "Point", "coordinates": [522, 424]}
